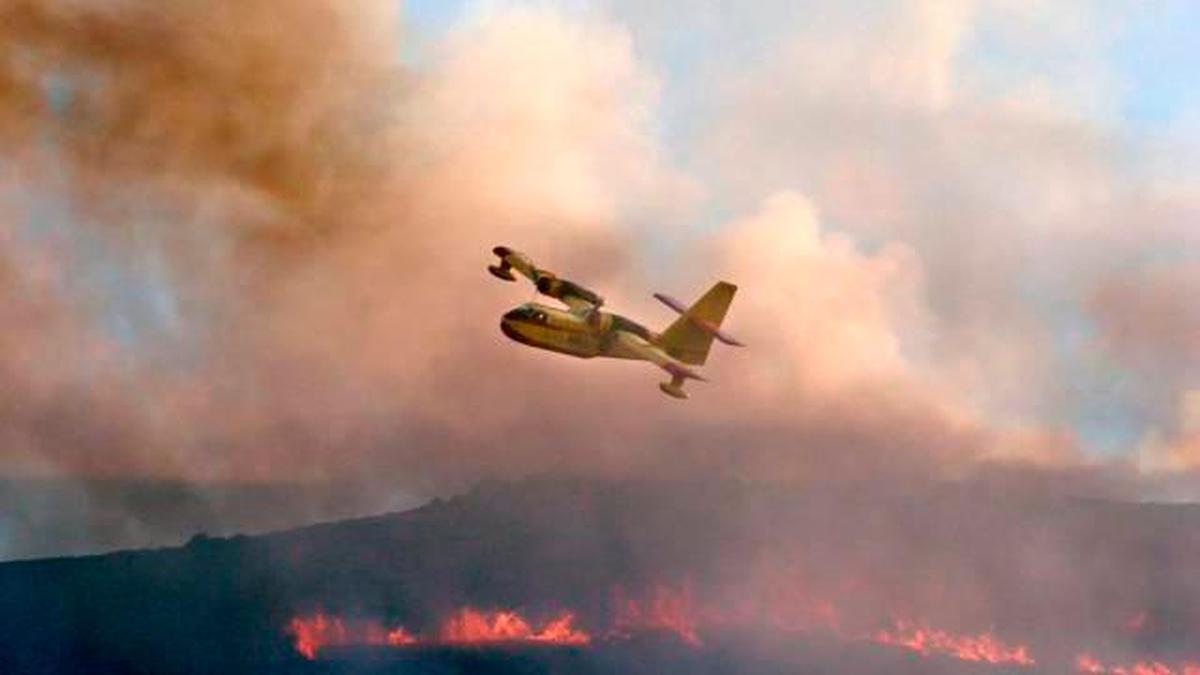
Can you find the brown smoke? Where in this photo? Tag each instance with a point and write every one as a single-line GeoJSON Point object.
{"type": "Point", "coordinates": [319, 217]}
{"type": "Point", "coordinates": [282, 102]}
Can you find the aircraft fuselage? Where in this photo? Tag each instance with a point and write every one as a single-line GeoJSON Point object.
{"type": "Point", "coordinates": [558, 330]}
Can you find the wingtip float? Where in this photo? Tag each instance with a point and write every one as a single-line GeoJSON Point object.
{"type": "Point", "coordinates": [585, 331]}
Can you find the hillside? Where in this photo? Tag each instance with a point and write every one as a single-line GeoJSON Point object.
{"type": "Point", "coordinates": [702, 577]}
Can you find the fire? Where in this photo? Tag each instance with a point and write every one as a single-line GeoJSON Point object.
{"type": "Point", "coordinates": [561, 631]}
{"type": "Point", "coordinates": [674, 610]}
{"type": "Point", "coordinates": [984, 647]}
{"type": "Point", "coordinates": [311, 634]}
{"type": "Point", "coordinates": [665, 610]}
{"type": "Point", "coordinates": [471, 626]}
{"type": "Point", "coordinates": [398, 637]}
{"type": "Point", "coordinates": [1086, 663]}
{"type": "Point", "coordinates": [467, 626]}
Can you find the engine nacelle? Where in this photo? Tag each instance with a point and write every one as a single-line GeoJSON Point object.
{"type": "Point", "coordinates": [562, 289]}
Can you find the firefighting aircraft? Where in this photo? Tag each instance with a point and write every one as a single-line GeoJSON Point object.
{"type": "Point", "coordinates": [585, 331]}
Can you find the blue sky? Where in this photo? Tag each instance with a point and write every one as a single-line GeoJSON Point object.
{"type": "Point", "coordinates": [1156, 55]}
{"type": "Point", "coordinates": [1153, 56]}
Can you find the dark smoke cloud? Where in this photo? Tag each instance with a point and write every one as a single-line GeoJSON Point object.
{"type": "Point", "coordinates": [201, 96]}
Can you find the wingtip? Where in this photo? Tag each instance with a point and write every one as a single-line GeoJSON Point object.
{"type": "Point", "coordinates": [501, 273]}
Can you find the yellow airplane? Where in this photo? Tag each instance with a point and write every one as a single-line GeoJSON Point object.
{"type": "Point", "coordinates": [585, 331]}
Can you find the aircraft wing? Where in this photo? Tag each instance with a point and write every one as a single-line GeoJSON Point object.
{"type": "Point", "coordinates": [636, 346]}
{"type": "Point", "coordinates": [579, 299]}
{"type": "Point", "coordinates": [577, 304]}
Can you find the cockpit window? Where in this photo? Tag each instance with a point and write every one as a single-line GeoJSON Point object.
{"type": "Point", "coordinates": [533, 314]}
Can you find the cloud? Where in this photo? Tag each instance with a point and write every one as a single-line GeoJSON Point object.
{"type": "Point", "coordinates": [927, 128]}
{"type": "Point", "coordinates": [842, 353]}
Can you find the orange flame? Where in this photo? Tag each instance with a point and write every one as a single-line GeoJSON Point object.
{"type": "Point", "coordinates": [673, 610]}
{"type": "Point", "coordinates": [398, 637]}
{"type": "Point", "coordinates": [1086, 663]}
{"type": "Point", "coordinates": [467, 626]}
{"type": "Point", "coordinates": [562, 631]}
{"type": "Point", "coordinates": [984, 647]}
{"type": "Point", "coordinates": [471, 626]}
{"type": "Point", "coordinates": [666, 610]}
{"type": "Point", "coordinates": [311, 634]}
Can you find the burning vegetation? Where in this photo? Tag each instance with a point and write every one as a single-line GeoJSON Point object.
{"type": "Point", "coordinates": [468, 626]}
{"type": "Point", "coordinates": [596, 577]}
{"type": "Point", "coordinates": [796, 592]}
{"type": "Point", "coordinates": [672, 612]}
{"type": "Point", "coordinates": [1086, 663]}
{"type": "Point", "coordinates": [984, 647]}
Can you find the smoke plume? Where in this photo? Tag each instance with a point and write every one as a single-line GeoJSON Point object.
{"type": "Point", "coordinates": [244, 241]}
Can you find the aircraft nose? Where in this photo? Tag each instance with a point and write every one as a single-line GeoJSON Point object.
{"type": "Point", "coordinates": [508, 325]}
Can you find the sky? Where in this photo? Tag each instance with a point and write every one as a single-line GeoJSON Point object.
{"type": "Point", "coordinates": [1141, 56]}
{"type": "Point", "coordinates": [245, 244]}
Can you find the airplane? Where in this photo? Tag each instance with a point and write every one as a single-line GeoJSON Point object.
{"type": "Point", "coordinates": [585, 331]}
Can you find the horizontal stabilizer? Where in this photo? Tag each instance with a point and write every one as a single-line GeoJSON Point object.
{"type": "Point", "coordinates": [674, 304]}
{"type": "Point", "coordinates": [707, 326]}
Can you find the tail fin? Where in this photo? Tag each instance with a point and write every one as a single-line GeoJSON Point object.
{"type": "Point", "coordinates": [689, 338]}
